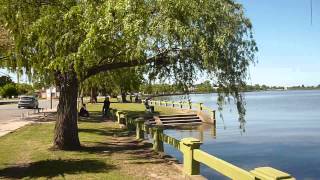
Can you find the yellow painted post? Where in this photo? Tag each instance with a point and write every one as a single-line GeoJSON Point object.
{"type": "Point", "coordinates": [190, 105]}
{"type": "Point", "coordinates": [200, 106]}
{"type": "Point", "coordinates": [214, 118]}
{"type": "Point", "coordinates": [157, 132]}
{"type": "Point", "coordinates": [187, 145]}
{"type": "Point", "coordinates": [118, 116]}
{"type": "Point", "coordinates": [139, 129]}
{"type": "Point", "coordinates": [214, 132]}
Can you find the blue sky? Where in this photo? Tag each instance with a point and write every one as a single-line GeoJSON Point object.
{"type": "Point", "coordinates": [289, 46]}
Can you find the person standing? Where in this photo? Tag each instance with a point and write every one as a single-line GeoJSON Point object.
{"type": "Point", "coordinates": [106, 106]}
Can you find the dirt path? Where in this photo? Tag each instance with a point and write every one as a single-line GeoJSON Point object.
{"type": "Point", "coordinates": [136, 158]}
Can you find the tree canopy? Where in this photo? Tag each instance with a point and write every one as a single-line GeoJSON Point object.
{"type": "Point", "coordinates": [73, 40]}
{"type": "Point", "coordinates": [5, 41]}
{"type": "Point", "coordinates": [120, 81]}
{"type": "Point", "coordinates": [5, 80]}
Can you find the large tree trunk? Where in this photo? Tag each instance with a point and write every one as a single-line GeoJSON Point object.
{"type": "Point", "coordinates": [93, 95]}
{"type": "Point", "coordinates": [66, 129]}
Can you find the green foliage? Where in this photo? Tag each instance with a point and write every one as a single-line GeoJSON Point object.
{"type": "Point", "coordinates": [5, 80]}
{"type": "Point", "coordinates": [25, 89]}
{"type": "Point", "coordinates": [174, 38]}
{"type": "Point", "coordinates": [30, 145]}
{"type": "Point", "coordinates": [304, 87]}
{"type": "Point", "coordinates": [159, 89]}
{"type": "Point", "coordinates": [8, 90]}
{"type": "Point", "coordinates": [114, 82]}
{"type": "Point", "coordinates": [255, 87]}
{"type": "Point", "coordinates": [127, 80]}
{"type": "Point", "coordinates": [5, 42]}
{"type": "Point", "coordinates": [205, 87]}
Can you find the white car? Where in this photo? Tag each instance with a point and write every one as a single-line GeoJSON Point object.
{"type": "Point", "coordinates": [28, 102]}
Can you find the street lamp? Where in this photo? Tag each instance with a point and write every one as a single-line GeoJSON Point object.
{"type": "Point", "coordinates": [50, 97]}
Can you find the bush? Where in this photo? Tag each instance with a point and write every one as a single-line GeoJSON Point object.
{"type": "Point", "coordinates": [24, 89]}
{"type": "Point", "coordinates": [8, 90]}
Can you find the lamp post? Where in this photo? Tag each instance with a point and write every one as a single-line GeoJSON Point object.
{"type": "Point", "coordinates": [50, 97]}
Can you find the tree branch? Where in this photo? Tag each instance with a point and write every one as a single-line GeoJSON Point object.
{"type": "Point", "coordinates": [160, 58]}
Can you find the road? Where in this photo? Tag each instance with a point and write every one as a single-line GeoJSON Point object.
{"type": "Point", "coordinates": [11, 111]}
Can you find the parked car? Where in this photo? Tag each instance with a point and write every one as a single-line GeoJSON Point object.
{"type": "Point", "coordinates": [28, 102]}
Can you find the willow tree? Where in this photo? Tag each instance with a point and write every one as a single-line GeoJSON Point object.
{"type": "Point", "coordinates": [114, 82]}
{"type": "Point", "coordinates": [126, 80]}
{"type": "Point", "coordinates": [76, 39]}
{"type": "Point", "coordinates": [5, 42]}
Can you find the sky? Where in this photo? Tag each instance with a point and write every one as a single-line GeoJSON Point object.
{"type": "Point", "coordinates": [289, 46]}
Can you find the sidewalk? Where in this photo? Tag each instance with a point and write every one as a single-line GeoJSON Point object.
{"type": "Point", "coordinates": [14, 124]}
{"type": "Point", "coordinates": [8, 102]}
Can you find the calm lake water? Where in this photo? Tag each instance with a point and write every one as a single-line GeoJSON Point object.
{"type": "Point", "coordinates": [282, 131]}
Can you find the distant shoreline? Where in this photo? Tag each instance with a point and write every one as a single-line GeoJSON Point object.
{"type": "Point", "coordinates": [178, 94]}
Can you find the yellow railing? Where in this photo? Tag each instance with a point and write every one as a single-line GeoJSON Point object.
{"type": "Point", "coordinates": [170, 140]}
{"type": "Point", "coordinates": [223, 167]}
{"type": "Point", "coordinates": [193, 155]}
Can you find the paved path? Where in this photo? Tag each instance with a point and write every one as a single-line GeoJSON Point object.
{"type": "Point", "coordinates": [12, 118]}
{"type": "Point", "coordinates": [8, 101]}
{"type": "Point", "coordinates": [11, 111]}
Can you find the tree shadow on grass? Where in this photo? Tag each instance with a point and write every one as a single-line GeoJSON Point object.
{"type": "Point", "coordinates": [95, 117]}
{"type": "Point", "coordinates": [108, 132]}
{"type": "Point", "coordinates": [52, 168]}
{"type": "Point", "coordinates": [129, 146]}
{"type": "Point", "coordinates": [138, 152]}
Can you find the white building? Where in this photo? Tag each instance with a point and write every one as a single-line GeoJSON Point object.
{"type": "Point", "coordinates": [46, 93]}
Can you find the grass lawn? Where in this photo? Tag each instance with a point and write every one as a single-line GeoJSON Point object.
{"type": "Point", "coordinates": [133, 108]}
{"type": "Point", "coordinates": [108, 152]}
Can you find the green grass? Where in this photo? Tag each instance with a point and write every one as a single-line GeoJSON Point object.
{"type": "Point", "coordinates": [26, 154]}
{"type": "Point", "coordinates": [133, 109]}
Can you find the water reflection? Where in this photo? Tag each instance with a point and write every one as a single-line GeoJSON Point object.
{"type": "Point", "coordinates": [282, 131]}
{"type": "Point", "coordinates": [196, 131]}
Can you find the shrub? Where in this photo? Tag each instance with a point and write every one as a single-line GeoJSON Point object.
{"type": "Point", "coordinates": [24, 89]}
{"type": "Point", "coordinates": [8, 90]}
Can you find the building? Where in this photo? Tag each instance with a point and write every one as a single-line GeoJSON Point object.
{"type": "Point", "coordinates": [46, 93]}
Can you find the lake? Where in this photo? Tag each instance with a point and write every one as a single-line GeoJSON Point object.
{"type": "Point", "coordinates": [282, 131]}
